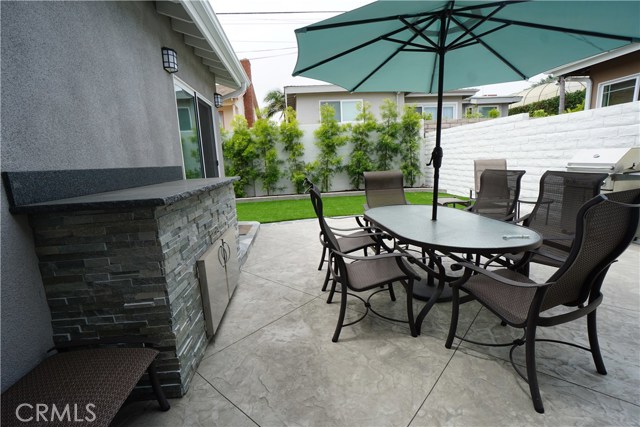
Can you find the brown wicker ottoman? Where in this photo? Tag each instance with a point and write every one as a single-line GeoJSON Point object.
{"type": "Point", "coordinates": [82, 387]}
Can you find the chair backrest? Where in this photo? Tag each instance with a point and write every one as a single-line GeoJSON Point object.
{"type": "Point", "coordinates": [499, 192]}
{"type": "Point", "coordinates": [605, 226]}
{"type": "Point", "coordinates": [561, 196]}
{"type": "Point", "coordinates": [480, 165]}
{"type": "Point", "coordinates": [384, 188]}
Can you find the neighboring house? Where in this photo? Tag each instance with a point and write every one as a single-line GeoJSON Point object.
{"type": "Point", "coordinates": [611, 78]}
{"type": "Point", "coordinates": [306, 100]}
{"type": "Point", "coordinates": [85, 96]}
{"type": "Point", "coordinates": [245, 104]}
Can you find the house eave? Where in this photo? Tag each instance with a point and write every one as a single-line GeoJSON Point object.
{"type": "Point", "coordinates": [596, 59]}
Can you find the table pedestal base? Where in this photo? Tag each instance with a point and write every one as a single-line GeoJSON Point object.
{"type": "Point", "coordinates": [423, 289]}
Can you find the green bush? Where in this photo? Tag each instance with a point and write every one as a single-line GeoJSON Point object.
{"type": "Point", "coordinates": [550, 106]}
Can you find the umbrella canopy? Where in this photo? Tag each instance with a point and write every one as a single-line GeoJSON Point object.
{"type": "Point", "coordinates": [433, 46]}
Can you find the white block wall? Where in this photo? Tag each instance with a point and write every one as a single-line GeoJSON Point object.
{"type": "Point", "coordinates": [532, 144]}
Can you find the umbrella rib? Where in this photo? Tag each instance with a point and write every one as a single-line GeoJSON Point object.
{"type": "Point", "coordinates": [476, 25]}
{"type": "Point", "coordinates": [554, 28]}
{"type": "Point", "coordinates": [474, 40]}
{"type": "Point", "coordinates": [405, 43]}
{"type": "Point", "coordinates": [392, 55]}
{"type": "Point", "coordinates": [420, 33]}
{"type": "Point", "coordinates": [490, 49]}
{"type": "Point", "coordinates": [353, 49]}
{"type": "Point", "coordinates": [364, 21]}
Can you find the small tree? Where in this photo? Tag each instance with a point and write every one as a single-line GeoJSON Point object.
{"type": "Point", "coordinates": [360, 160]}
{"type": "Point", "coordinates": [265, 135]}
{"type": "Point", "coordinates": [387, 146]}
{"type": "Point", "coordinates": [329, 137]}
{"type": "Point", "coordinates": [291, 136]}
{"type": "Point", "coordinates": [410, 144]}
{"type": "Point", "coordinates": [275, 101]}
{"type": "Point", "coordinates": [493, 113]}
{"type": "Point", "coordinates": [240, 156]}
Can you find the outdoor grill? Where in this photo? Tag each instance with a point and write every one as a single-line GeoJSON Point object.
{"type": "Point", "coordinates": [622, 165]}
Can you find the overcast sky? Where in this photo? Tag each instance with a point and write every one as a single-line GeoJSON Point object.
{"type": "Point", "coordinates": [270, 43]}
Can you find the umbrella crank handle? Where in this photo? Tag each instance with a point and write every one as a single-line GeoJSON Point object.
{"type": "Point", "coordinates": [436, 158]}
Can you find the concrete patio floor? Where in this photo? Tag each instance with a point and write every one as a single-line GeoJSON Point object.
{"type": "Point", "coordinates": [272, 362]}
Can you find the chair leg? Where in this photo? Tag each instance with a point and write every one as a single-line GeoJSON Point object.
{"type": "Point", "coordinates": [593, 343]}
{"type": "Point", "coordinates": [324, 253]}
{"type": "Point", "coordinates": [455, 307]}
{"type": "Point", "coordinates": [343, 310]}
{"type": "Point", "coordinates": [326, 279]}
{"type": "Point", "coordinates": [412, 324]}
{"type": "Point", "coordinates": [391, 293]}
{"type": "Point", "coordinates": [332, 291]}
{"type": "Point", "coordinates": [157, 389]}
{"type": "Point", "coordinates": [532, 375]}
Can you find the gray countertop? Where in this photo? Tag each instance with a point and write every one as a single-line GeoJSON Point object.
{"type": "Point", "coordinates": [161, 194]}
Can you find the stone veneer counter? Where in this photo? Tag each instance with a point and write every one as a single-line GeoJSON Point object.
{"type": "Point", "coordinates": [150, 195]}
{"type": "Point", "coordinates": [123, 263]}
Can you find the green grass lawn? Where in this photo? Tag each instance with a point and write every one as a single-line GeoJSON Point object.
{"type": "Point", "coordinates": [287, 210]}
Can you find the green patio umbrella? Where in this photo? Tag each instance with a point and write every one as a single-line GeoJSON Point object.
{"type": "Point", "coordinates": [433, 46]}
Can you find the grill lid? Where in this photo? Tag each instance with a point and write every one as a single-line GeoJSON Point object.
{"type": "Point", "coordinates": [609, 160]}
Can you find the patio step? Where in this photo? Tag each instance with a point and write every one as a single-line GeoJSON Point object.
{"type": "Point", "coordinates": [248, 231]}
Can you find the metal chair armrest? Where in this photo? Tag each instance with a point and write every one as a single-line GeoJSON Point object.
{"type": "Point", "coordinates": [502, 279]}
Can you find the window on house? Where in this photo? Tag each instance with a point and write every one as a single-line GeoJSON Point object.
{"type": "Point", "coordinates": [619, 91]}
{"type": "Point", "coordinates": [197, 140]}
{"type": "Point", "coordinates": [345, 111]}
{"type": "Point", "coordinates": [448, 110]}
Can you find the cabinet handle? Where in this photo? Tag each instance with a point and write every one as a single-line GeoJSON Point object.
{"type": "Point", "coordinates": [227, 251]}
{"type": "Point", "coordinates": [221, 256]}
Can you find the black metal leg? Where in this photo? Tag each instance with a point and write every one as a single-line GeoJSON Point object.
{"type": "Point", "coordinates": [343, 310]}
{"type": "Point", "coordinates": [324, 253]}
{"type": "Point", "coordinates": [391, 293]}
{"type": "Point", "coordinates": [157, 389]}
{"type": "Point", "coordinates": [532, 376]}
{"type": "Point", "coordinates": [412, 325]}
{"type": "Point", "coordinates": [455, 307]}
{"type": "Point", "coordinates": [332, 291]}
{"type": "Point", "coordinates": [326, 280]}
{"type": "Point", "coordinates": [593, 343]}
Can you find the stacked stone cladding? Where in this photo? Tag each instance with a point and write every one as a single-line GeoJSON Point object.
{"type": "Point", "coordinates": [132, 272]}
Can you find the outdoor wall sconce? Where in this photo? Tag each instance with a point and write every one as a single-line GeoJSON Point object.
{"type": "Point", "coordinates": [217, 100]}
{"type": "Point", "coordinates": [169, 60]}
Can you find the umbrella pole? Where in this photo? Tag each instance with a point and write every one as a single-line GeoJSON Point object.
{"type": "Point", "coordinates": [436, 154]}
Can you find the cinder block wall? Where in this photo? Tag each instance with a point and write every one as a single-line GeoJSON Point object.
{"type": "Point", "coordinates": [532, 144]}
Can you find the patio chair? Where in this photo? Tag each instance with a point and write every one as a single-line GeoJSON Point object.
{"type": "Point", "coordinates": [560, 197]}
{"type": "Point", "coordinates": [364, 273]}
{"type": "Point", "coordinates": [479, 166]}
{"type": "Point", "coordinates": [605, 226]}
{"type": "Point", "coordinates": [384, 188]}
{"type": "Point", "coordinates": [355, 239]}
{"type": "Point", "coordinates": [498, 195]}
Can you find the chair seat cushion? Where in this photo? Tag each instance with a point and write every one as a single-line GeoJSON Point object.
{"type": "Point", "coordinates": [355, 241]}
{"type": "Point", "coordinates": [372, 273]}
{"type": "Point", "coordinates": [101, 377]}
{"type": "Point", "coordinates": [510, 302]}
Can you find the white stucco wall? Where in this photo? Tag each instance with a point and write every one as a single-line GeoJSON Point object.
{"type": "Point", "coordinates": [532, 144]}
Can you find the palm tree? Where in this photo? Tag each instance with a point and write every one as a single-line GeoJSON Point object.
{"type": "Point", "coordinates": [275, 103]}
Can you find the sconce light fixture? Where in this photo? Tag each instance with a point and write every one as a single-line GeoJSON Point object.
{"type": "Point", "coordinates": [169, 60]}
{"type": "Point", "coordinates": [217, 100]}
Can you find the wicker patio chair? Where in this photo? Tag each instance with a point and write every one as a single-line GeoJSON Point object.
{"type": "Point", "coordinates": [498, 195]}
{"type": "Point", "coordinates": [353, 239]}
{"type": "Point", "coordinates": [479, 166]}
{"type": "Point", "coordinates": [364, 273]}
{"type": "Point", "coordinates": [93, 382]}
{"type": "Point", "coordinates": [605, 226]}
{"type": "Point", "coordinates": [560, 197]}
{"type": "Point", "coordinates": [384, 188]}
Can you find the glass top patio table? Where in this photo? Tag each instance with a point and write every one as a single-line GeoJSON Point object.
{"type": "Point", "coordinates": [454, 230]}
